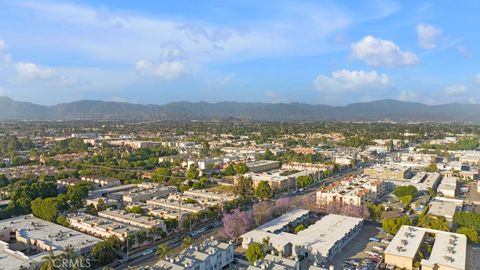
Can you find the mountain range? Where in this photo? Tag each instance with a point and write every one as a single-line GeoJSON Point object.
{"type": "Point", "coordinates": [381, 110]}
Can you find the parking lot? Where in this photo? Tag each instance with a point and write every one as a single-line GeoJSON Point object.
{"type": "Point", "coordinates": [361, 248]}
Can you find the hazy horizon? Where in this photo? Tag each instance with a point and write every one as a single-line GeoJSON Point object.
{"type": "Point", "coordinates": [315, 52]}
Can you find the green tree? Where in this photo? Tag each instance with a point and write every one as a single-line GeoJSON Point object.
{"type": "Point", "coordinates": [375, 211]}
{"type": "Point", "coordinates": [432, 167]}
{"type": "Point", "coordinates": [299, 228]}
{"type": "Point", "coordinates": [435, 223]}
{"type": "Point", "coordinates": [406, 200]}
{"type": "Point", "coordinates": [62, 220]}
{"type": "Point", "coordinates": [467, 219]}
{"type": "Point", "coordinates": [163, 251]}
{"type": "Point", "coordinates": [401, 191]}
{"type": "Point", "coordinates": [470, 233]}
{"type": "Point", "coordinates": [192, 172]}
{"type": "Point", "coordinates": [254, 253]}
{"type": "Point", "coordinates": [187, 241]}
{"type": "Point", "coordinates": [392, 225]}
{"type": "Point", "coordinates": [263, 191]}
{"type": "Point", "coordinates": [106, 251]}
{"type": "Point", "coordinates": [76, 193]}
{"type": "Point", "coordinates": [243, 186]}
{"type": "Point", "coordinates": [135, 210]}
{"type": "Point", "coordinates": [47, 208]}
{"type": "Point", "coordinates": [241, 168]}
{"type": "Point", "coordinates": [161, 175]}
{"type": "Point", "coordinates": [304, 181]}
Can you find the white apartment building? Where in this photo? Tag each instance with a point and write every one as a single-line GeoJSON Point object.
{"type": "Point", "coordinates": [210, 255]}
{"type": "Point", "coordinates": [101, 181]}
{"type": "Point", "coordinates": [354, 191]}
{"type": "Point", "coordinates": [448, 251]}
{"type": "Point", "coordinates": [448, 187]}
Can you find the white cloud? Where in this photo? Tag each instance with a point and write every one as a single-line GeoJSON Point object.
{"type": "Point", "coordinates": [428, 36]}
{"type": "Point", "coordinates": [456, 90]}
{"type": "Point", "coordinates": [3, 92]}
{"type": "Point", "coordinates": [33, 72]}
{"type": "Point", "coordinates": [351, 81]}
{"type": "Point", "coordinates": [379, 52]}
{"type": "Point", "coordinates": [30, 71]}
{"type": "Point", "coordinates": [408, 96]}
{"type": "Point", "coordinates": [4, 55]}
{"type": "Point", "coordinates": [165, 70]}
{"type": "Point", "coordinates": [476, 79]}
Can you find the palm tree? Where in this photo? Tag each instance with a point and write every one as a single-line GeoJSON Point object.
{"type": "Point", "coordinates": [68, 252]}
{"type": "Point", "coordinates": [187, 241]}
{"type": "Point", "coordinates": [48, 262]}
{"type": "Point", "coordinates": [163, 251]}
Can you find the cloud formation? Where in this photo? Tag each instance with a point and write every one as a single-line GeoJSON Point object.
{"type": "Point", "coordinates": [379, 52]}
{"type": "Point", "coordinates": [165, 70]}
{"type": "Point", "coordinates": [352, 81]}
{"type": "Point", "coordinates": [428, 36]}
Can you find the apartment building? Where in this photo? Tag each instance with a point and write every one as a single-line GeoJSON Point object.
{"type": "Point", "coordinates": [210, 255]}
{"type": "Point", "coordinates": [101, 181]}
{"type": "Point", "coordinates": [262, 165]}
{"type": "Point", "coordinates": [26, 240]}
{"type": "Point", "coordinates": [319, 243]}
{"type": "Point", "coordinates": [145, 192]}
{"type": "Point", "coordinates": [100, 227]}
{"type": "Point", "coordinates": [135, 220]}
{"type": "Point", "coordinates": [448, 187]}
{"type": "Point", "coordinates": [382, 171]}
{"type": "Point", "coordinates": [448, 251]}
{"type": "Point", "coordinates": [272, 262]}
{"type": "Point", "coordinates": [314, 167]}
{"type": "Point", "coordinates": [354, 191]}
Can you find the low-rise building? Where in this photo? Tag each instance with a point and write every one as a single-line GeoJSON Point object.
{"type": "Point", "coordinates": [100, 227]}
{"type": "Point", "coordinates": [262, 165]}
{"type": "Point", "coordinates": [444, 207]}
{"type": "Point", "coordinates": [210, 255]}
{"type": "Point", "coordinates": [448, 251]}
{"type": "Point", "coordinates": [135, 220]}
{"type": "Point", "coordinates": [319, 242]}
{"type": "Point", "coordinates": [383, 171]}
{"type": "Point", "coordinates": [25, 240]}
{"type": "Point", "coordinates": [354, 191]}
{"type": "Point", "coordinates": [145, 192]}
{"type": "Point", "coordinates": [272, 262]}
{"type": "Point", "coordinates": [448, 187]}
{"type": "Point", "coordinates": [101, 181]}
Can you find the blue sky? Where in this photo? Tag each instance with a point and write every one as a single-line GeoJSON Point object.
{"type": "Point", "coordinates": [319, 52]}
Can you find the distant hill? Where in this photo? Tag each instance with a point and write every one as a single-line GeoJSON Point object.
{"type": "Point", "coordinates": [389, 110]}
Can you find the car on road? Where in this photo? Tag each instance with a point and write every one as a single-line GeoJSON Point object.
{"type": "Point", "coordinates": [373, 239]}
{"type": "Point", "coordinates": [146, 252]}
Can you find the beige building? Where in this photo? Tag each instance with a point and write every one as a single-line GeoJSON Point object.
{"type": "Point", "coordinates": [354, 191]}
{"type": "Point", "coordinates": [102, 181]}
{"type": "Point", "coordinates": [388, 172]}
{"type": "Point", "coordinates": [447, 253]}
{"type": "Point", "coordinates": [145, 192]}
{"type": "Point", "coordinates": [100, 227]}
{"type": "Point", "coordinates": [448, 187]}
{"type": "Point", "coordinates": [135, 220]}
{"type": "Point", "coordinates": [262, 165]}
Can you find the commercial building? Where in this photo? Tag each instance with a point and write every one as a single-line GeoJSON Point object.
{"type": "Point", "coordinates": [277, 181]}
{"type": "Point", "coordinates": [25, 240]}
{"type": "Point", "coordinates": [100, 227]}
{"type": "Point", "coordinates": [262, 165]}
{"type": "Point", "coordinates": [382, 171]}
{"type": "Point", "coordinates": [210, 255]}
{"type": "Point", "coordinates": [354, 191]}
{"type": "Point", "coordinates": [448, 251]}
{"type": "Point", "coordinates": [448, 187]}
{"type": "Point", "coordinates": [319, 242]}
